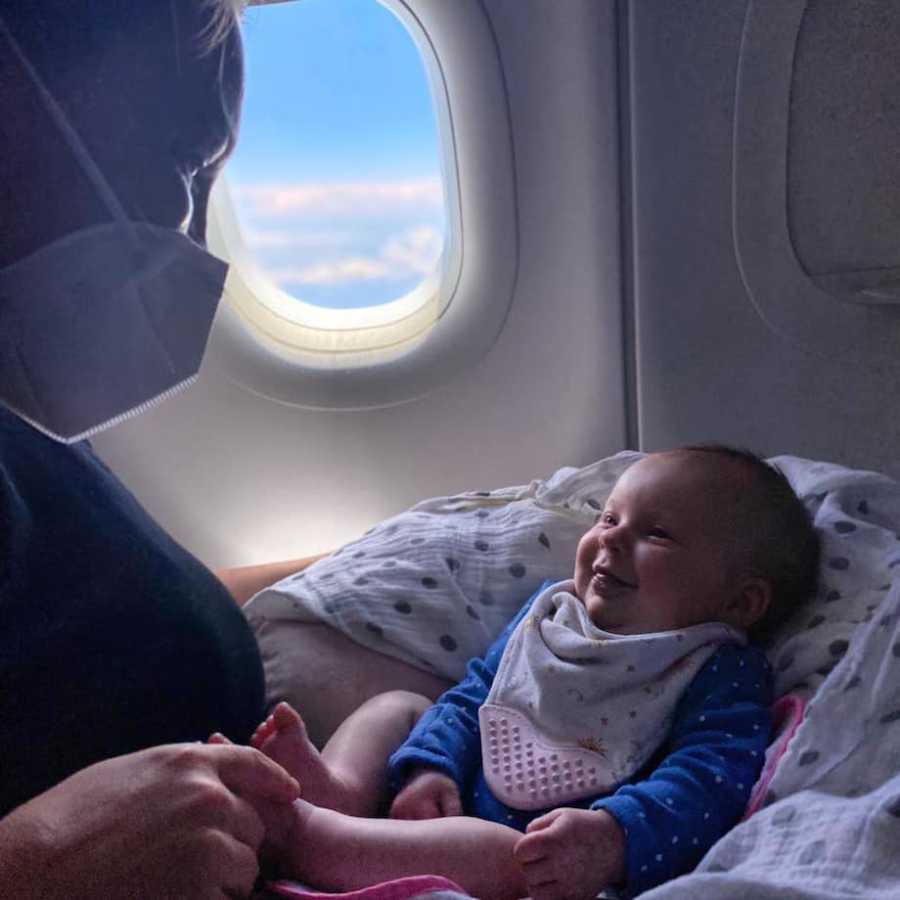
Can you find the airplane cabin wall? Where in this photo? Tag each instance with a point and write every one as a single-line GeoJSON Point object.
{"type": "Point", "coordinates": [239, 479]}
{"type": "Point", "coordinates": [709, 365]}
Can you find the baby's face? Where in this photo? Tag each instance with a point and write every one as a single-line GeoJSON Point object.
{"type": "Point", "coordinates": [657, 558]}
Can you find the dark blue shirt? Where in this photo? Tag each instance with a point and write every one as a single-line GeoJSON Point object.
{"type": "Point", "coordinates": [112, 637]}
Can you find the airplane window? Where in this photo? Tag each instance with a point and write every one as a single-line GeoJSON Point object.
{"type": "Point", "coordinates": [332, 208]}
{"type": "Point", "coordinates": [369, 214]}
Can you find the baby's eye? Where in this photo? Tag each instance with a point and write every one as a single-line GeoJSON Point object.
{"type": "Point", "coordinates": [607, 519]}
{"type": "Point", "coordinates": [660, 533]}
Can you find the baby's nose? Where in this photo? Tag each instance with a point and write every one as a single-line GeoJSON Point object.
{"type": "Point", "coordinates": [612, 538]}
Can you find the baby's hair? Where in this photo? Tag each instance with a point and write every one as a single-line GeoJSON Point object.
{"type": "Point", "coordinates": [777, 539]}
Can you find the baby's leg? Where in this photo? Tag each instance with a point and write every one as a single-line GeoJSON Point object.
{"type": "Point", "coordinates": [358, 751]}
{"type": "Point", "coordinates": [334, 852]}
{"type": "Point", "coordinates": [350, 774]}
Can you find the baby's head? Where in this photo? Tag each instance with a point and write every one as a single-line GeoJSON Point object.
{"type": "Point", "coordinates": [698, 534]}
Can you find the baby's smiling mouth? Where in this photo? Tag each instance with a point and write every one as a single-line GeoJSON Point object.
{"type": "Point", "coordinates": [606, 577]}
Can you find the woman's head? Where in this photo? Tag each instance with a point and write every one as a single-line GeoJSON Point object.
{"type": "Point", "coordinates": [153, 93]}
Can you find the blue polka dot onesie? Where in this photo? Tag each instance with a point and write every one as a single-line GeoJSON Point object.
{"type": "Point", "coordinates": [694, 789]}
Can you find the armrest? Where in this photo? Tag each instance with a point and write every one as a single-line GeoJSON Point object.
{"type": "Point", "coordinates": [245, 581]}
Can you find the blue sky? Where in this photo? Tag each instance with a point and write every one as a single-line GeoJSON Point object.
{"type": "Point", "coordinates": [336, 173]}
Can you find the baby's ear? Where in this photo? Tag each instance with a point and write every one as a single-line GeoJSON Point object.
{"type": "Point", "coordinates": [749, 603]}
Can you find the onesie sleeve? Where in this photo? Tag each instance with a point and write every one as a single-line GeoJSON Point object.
{"type": "Point", "coordinates": [447, 737]}
{"type": "Point", "coordinates": [700, 788]}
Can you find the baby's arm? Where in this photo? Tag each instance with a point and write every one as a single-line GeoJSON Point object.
{"type": "Point", "coordinates": [569, 854]}
{"type": "Point", "coordinates": [447, 738]}
{"type": "Point", "coordinates": [700, 789]}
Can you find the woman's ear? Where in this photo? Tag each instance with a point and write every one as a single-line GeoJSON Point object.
{"type": "Point", "coordinates": [750, 602]}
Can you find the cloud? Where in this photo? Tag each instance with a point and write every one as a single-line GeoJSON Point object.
{"type": "Point", "coordinates": [416, 252]}
{"type": "Point", "coordinates": [341, 198]}
{"type": "Point", "coordinates": [283, 239]}
{"type": "Point", "coordinates": [341, 271]}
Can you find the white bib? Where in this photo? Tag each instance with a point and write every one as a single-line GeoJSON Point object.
{"type": "Point", "coordinates": [574, 711]}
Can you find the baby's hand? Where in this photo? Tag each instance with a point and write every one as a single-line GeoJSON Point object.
{"type": "Point", "coordinates": [429, 795]}
{"type": "Point", "coordinates": [571, 854]}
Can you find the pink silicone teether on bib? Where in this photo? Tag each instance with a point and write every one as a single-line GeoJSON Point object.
{"type": "Point", "coordinates": [526, 770]}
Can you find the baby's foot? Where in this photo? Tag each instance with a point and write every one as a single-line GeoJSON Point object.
{"type": "Point", "coordinates": [314, 847]}
{"type": "Point", "coordinates": [282, 737]}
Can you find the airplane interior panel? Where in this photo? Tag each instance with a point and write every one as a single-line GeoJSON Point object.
{"type": "Point", "coordinates": [548, 394]}
{"type": "Point", "coordinates": [764, 352]}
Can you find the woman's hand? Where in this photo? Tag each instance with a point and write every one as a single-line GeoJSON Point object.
{"type": "Point", "coordinates": [428, 795]}
{"type": "Point", "coordinates": [169, 822]}
{"type": "Point", "coordinates": [571, 854]}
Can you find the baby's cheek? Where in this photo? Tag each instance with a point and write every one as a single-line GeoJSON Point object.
{"type": "Point", "coordinates": [581, 555]}
{"type": "Point", "coordinates": [587, 548]}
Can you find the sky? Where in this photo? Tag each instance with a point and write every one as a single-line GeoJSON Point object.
{"type": "Point", "coordinates": [336, 175]}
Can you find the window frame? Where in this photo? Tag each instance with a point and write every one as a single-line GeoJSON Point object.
{"type": "Point", "coordinates": [443, 326]}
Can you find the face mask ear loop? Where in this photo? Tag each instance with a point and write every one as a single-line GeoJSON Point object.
{"type": "Point", "coordinates": [70, 135]}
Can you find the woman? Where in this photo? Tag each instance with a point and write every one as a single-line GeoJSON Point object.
{"type": "Point", "coordinates": [115, 118]}
{"type": "Point", "coordinates": [114, 639]}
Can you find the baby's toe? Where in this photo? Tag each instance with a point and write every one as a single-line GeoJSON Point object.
{"type": "Point", "coordinates": [264, 731]}
{"type": "Point", "coordinates": [286, 718]}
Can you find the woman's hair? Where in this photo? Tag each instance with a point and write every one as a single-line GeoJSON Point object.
{"type": "Point", "coordinates": [774, 537]}
{"type": "Point", "coordinates": [225, 13]}
{"type": "Point", "coordinates": [51, 32]}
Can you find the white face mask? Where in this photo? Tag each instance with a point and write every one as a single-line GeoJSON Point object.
{"type": "Point", "coordinates": [104, 322]}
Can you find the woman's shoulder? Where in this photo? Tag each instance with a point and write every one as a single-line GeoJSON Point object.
{"type": "Point", "coordinates": [63, 512]}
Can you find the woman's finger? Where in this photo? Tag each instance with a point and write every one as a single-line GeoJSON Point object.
{"type": "Point", "coordinates": [250, 774]}
{"type": "Point", "coordinates": [241, 869]}
{"type": "Point", "coordinates": [246, 825]}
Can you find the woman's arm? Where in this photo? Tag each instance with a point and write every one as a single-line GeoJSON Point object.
{"type": "Point", "coordinates": [245, 581]}
{"type": "Point", "coordinates": [175, 821]}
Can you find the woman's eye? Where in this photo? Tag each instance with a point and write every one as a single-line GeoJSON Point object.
{"type": "Point", "coordinates": [659, 533]}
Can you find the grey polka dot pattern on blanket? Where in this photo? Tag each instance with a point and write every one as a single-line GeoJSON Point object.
{"type": "Point", "coordinates": [857, 515]}
{"type": "Point", "coordinates": [426, 570]}
{"type": "Point", "coordinates": [784, 816]}
{"type": "Point", "coordinates": [812, 853]}
{"type": "Point", "coordinates": [452, 571]}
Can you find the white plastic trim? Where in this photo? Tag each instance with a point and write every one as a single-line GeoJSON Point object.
{"type": "Point", "coordinates": [407, 348]}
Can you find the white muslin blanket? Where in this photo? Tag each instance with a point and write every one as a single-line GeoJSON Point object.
{"type": "Point", "coordinates": [435, 585]}
{"type": "Point", "coordinates": [832, 829]}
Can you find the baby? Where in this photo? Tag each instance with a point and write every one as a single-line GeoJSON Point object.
{"type": "Point", "coordinates": [620, 720]}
